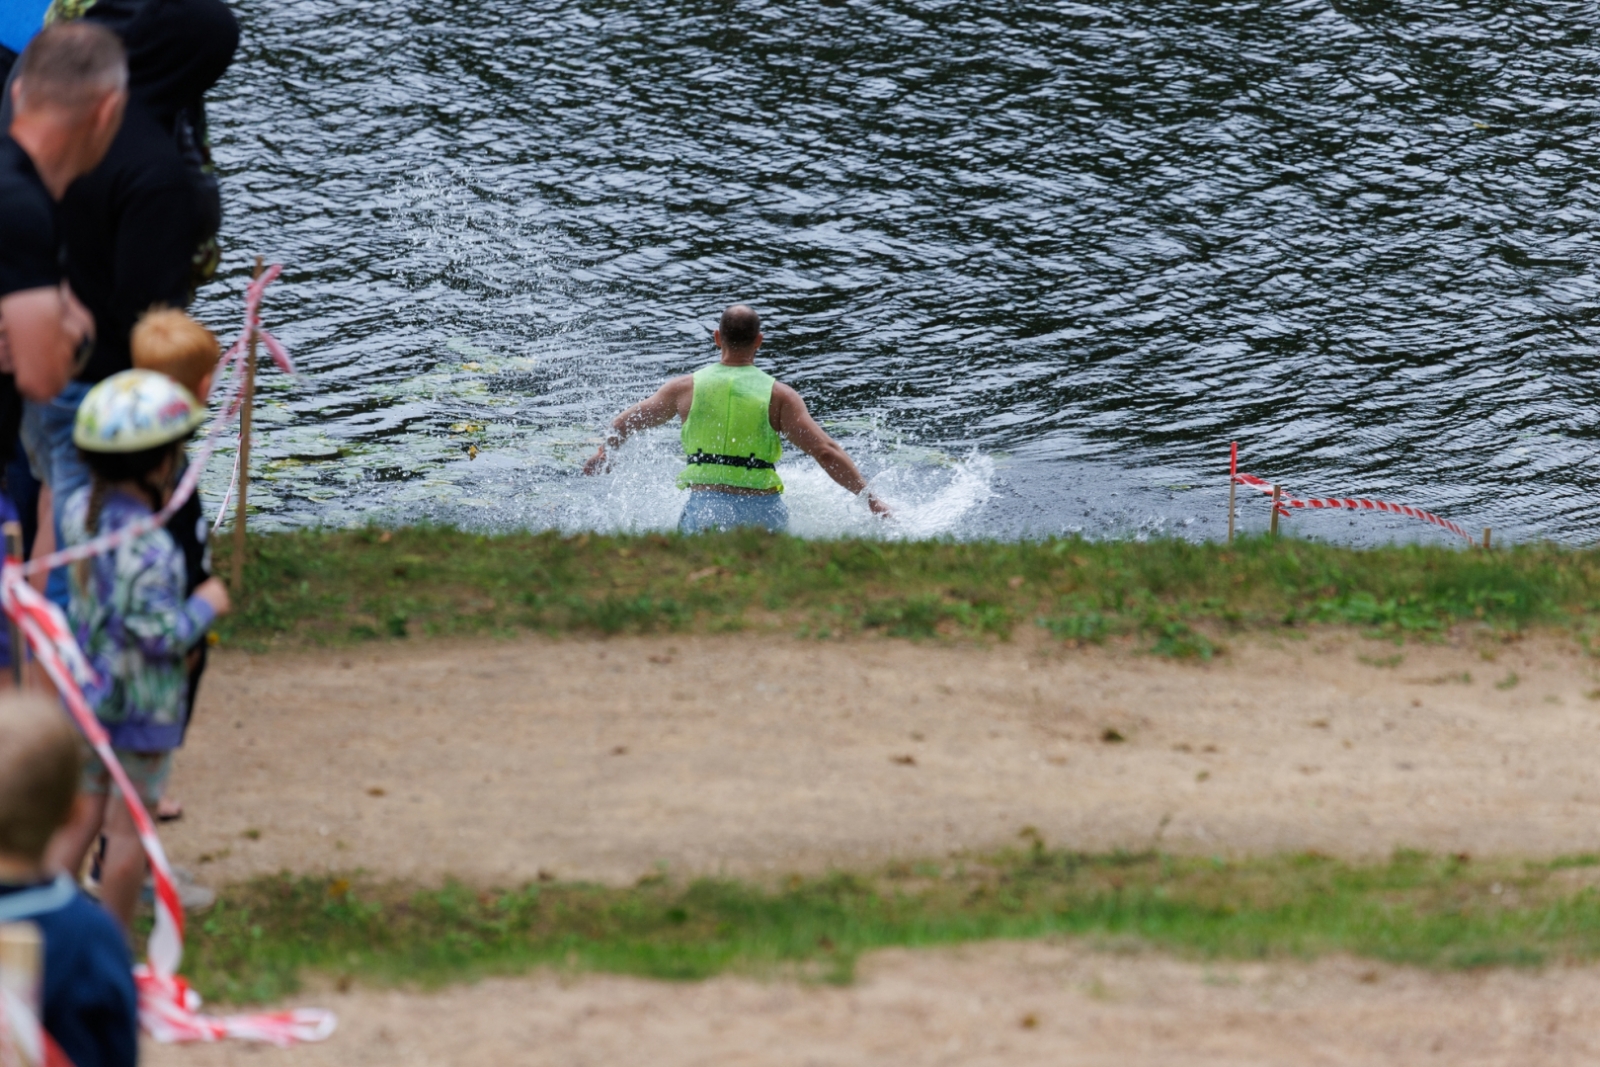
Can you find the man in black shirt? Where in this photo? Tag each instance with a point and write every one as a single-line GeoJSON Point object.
{"type": "Point", "coordinates": [68, 96]}
{"type": "Point", "coordinates": [133, 227]}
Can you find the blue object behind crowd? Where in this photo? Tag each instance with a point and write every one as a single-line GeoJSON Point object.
{"type": "Point", "coordinates": [19, 21]}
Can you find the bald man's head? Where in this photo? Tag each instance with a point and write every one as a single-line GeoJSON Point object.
{"type": "Point", "coordinates": [40, 761]}
{"type": "Point", "coordinates": [740, 327]}
{"type": "Point", "coordinates": [71, 66]}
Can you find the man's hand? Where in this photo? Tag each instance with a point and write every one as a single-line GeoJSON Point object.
{"type": "Point", "coordinates": [44, 329]}
{"type": "Point", "coordinates": [879, 508]}
{"type": "Point", "coordinates": [598, 463]}
{"type": "Point", "coordinates": [78, 320]}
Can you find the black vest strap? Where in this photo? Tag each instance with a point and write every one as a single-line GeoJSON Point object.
{"type": "Point", "coordinates": [707, 459]}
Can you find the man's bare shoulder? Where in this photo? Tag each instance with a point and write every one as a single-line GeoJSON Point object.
{"type": "Point", "coordinates": [679, 388]}
{"type": "Point", "coordinates": [679, 392]}
{"type": "Point", "coordinates": [787, 411]}
{"type": "Point", "coordinates": [786, 394]}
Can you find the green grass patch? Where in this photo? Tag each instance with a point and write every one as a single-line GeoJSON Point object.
{"type": "Point", "coordinates": [1444, 912]}
{"type": "Point", "coordinates": [1168, 597]}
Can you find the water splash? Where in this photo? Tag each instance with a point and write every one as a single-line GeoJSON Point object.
{"type": "Point", "coordinates": [930, 495]}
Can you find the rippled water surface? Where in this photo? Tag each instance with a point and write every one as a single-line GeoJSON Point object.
{"type": "Point", "coordinates": [1035, 264]}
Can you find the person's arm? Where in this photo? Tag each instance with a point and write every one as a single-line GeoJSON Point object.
{"type": "Point", "coordinates": [794, 422]}
{"type": "Point", "coordinates": [44, 328]}
{"type": "Point", "coordinates": [672, 399]}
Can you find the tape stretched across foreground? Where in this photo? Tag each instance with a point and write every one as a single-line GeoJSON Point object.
{"type": "Point", "coordinates": [23, 1041]}
{"type": "Point", "coordinates": [168, 1008]}
{"type": "Point", "coordinates": [1350, 503]}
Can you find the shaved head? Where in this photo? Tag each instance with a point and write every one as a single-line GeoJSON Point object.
{"type": "Point", "coordinates": [70, 65]}
{"type": "Point", "coordinates": [40, 761]}
{"type": "Point", "coordinates": [740, 326]}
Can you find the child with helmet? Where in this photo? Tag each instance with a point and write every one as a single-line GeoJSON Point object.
{"type": "Point", "coordinates": [128, 609]}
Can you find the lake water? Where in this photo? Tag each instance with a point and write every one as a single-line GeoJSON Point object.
{"type": "Point", "coordinates": [1034, 264]}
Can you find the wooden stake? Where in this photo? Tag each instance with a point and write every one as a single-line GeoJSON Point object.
{"type": "Point", "coordinates": [1486, 538]}
{"type": "Point", "coordinates": [12, 531]}
{"type": "Point", "coordinates": [1277, 493]}
{"type": "Point", "coordinates": [1233, 487]}
{"type": "Point", "coordinates": [244, 455]}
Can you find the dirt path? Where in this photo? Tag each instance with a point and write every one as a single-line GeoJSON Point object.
{"type": "Point", "coordinates": [985, 1004]}
{"type": "Point", "coordinates": [600, 759]}
{"type": "Point", "coordinates": [494, 761]}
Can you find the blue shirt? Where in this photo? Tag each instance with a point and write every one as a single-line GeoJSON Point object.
{"type": "Point", "coordinates": [90, 1006]}
{"type": "Point", "coordinates": [19, 21]}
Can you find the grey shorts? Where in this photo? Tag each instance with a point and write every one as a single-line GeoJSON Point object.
{"type": "Point", "coordinates": [708, 509]}
{"type": "Point", "coordinates": [148, 771]}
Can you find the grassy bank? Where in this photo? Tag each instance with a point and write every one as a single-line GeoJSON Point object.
{"type": "Point", "coordinates": [1431, 911]}
{"type": "Point", "coordinates": [1174, 597]}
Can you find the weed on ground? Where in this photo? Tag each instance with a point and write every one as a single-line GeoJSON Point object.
{"type": "Point", "coordinates": [1444, 912]}
{"type": "Point", "coordinates": [1173, 598]}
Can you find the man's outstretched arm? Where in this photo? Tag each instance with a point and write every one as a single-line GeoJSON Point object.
{"type": "Point", "coordinates": [672, 399]}
{"type": "Point", "coordinates": [794, 421]}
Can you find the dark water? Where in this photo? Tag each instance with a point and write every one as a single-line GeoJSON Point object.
{"type": "Point", "coordinates": [1036, 264]}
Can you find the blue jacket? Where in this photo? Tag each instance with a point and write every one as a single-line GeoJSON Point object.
{"type": "Point", "coordinates": [134, 624]}
{"type": "Point", "coordinates": [90, 1005]}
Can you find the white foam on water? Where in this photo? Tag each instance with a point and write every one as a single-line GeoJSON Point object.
{"type": "Point", "coordinates": [929, 494]}
{"type": "Point", "coordinates": [926, 500]}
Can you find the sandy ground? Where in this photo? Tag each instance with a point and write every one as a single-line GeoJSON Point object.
{"type": "Point", "coordinates": [601, 759]}
{"type": "Point", "coordinates": [982, 1004]}
{"type": "Point", "coordinates": [605, 759]}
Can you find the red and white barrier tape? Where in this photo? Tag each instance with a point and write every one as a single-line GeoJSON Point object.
{"type": "Point", "coordinates": [280, 356]}
{"type": "Point", "coordinates": [1351, 503]}
{"type": "Point", "coordinates": [168, 1008]}
{"type": "Point", "coordinates": [22, 1039]}
{"type": "Point", "coordinates": [233, 480]}
{"type": "Point", "coordinates": [24, 1042]}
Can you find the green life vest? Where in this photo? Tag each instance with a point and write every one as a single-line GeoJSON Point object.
{"type": "Point", "coordinates": [728, 436]}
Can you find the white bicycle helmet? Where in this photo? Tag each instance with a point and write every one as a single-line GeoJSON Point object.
{"type": "Point", "coordinates": [134, 411]}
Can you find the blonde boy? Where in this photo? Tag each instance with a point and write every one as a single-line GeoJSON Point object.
{"type": "Point", "coordinates": [170, 342]}
{"type": "Point", "coordinates": [90, 1008]}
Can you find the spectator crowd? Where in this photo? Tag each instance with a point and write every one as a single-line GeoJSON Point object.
{"type": "Point", "coordinates": [109, 217]}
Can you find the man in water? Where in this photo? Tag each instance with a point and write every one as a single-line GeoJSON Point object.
{"type": "Point", "coordinates": [733, 416]}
